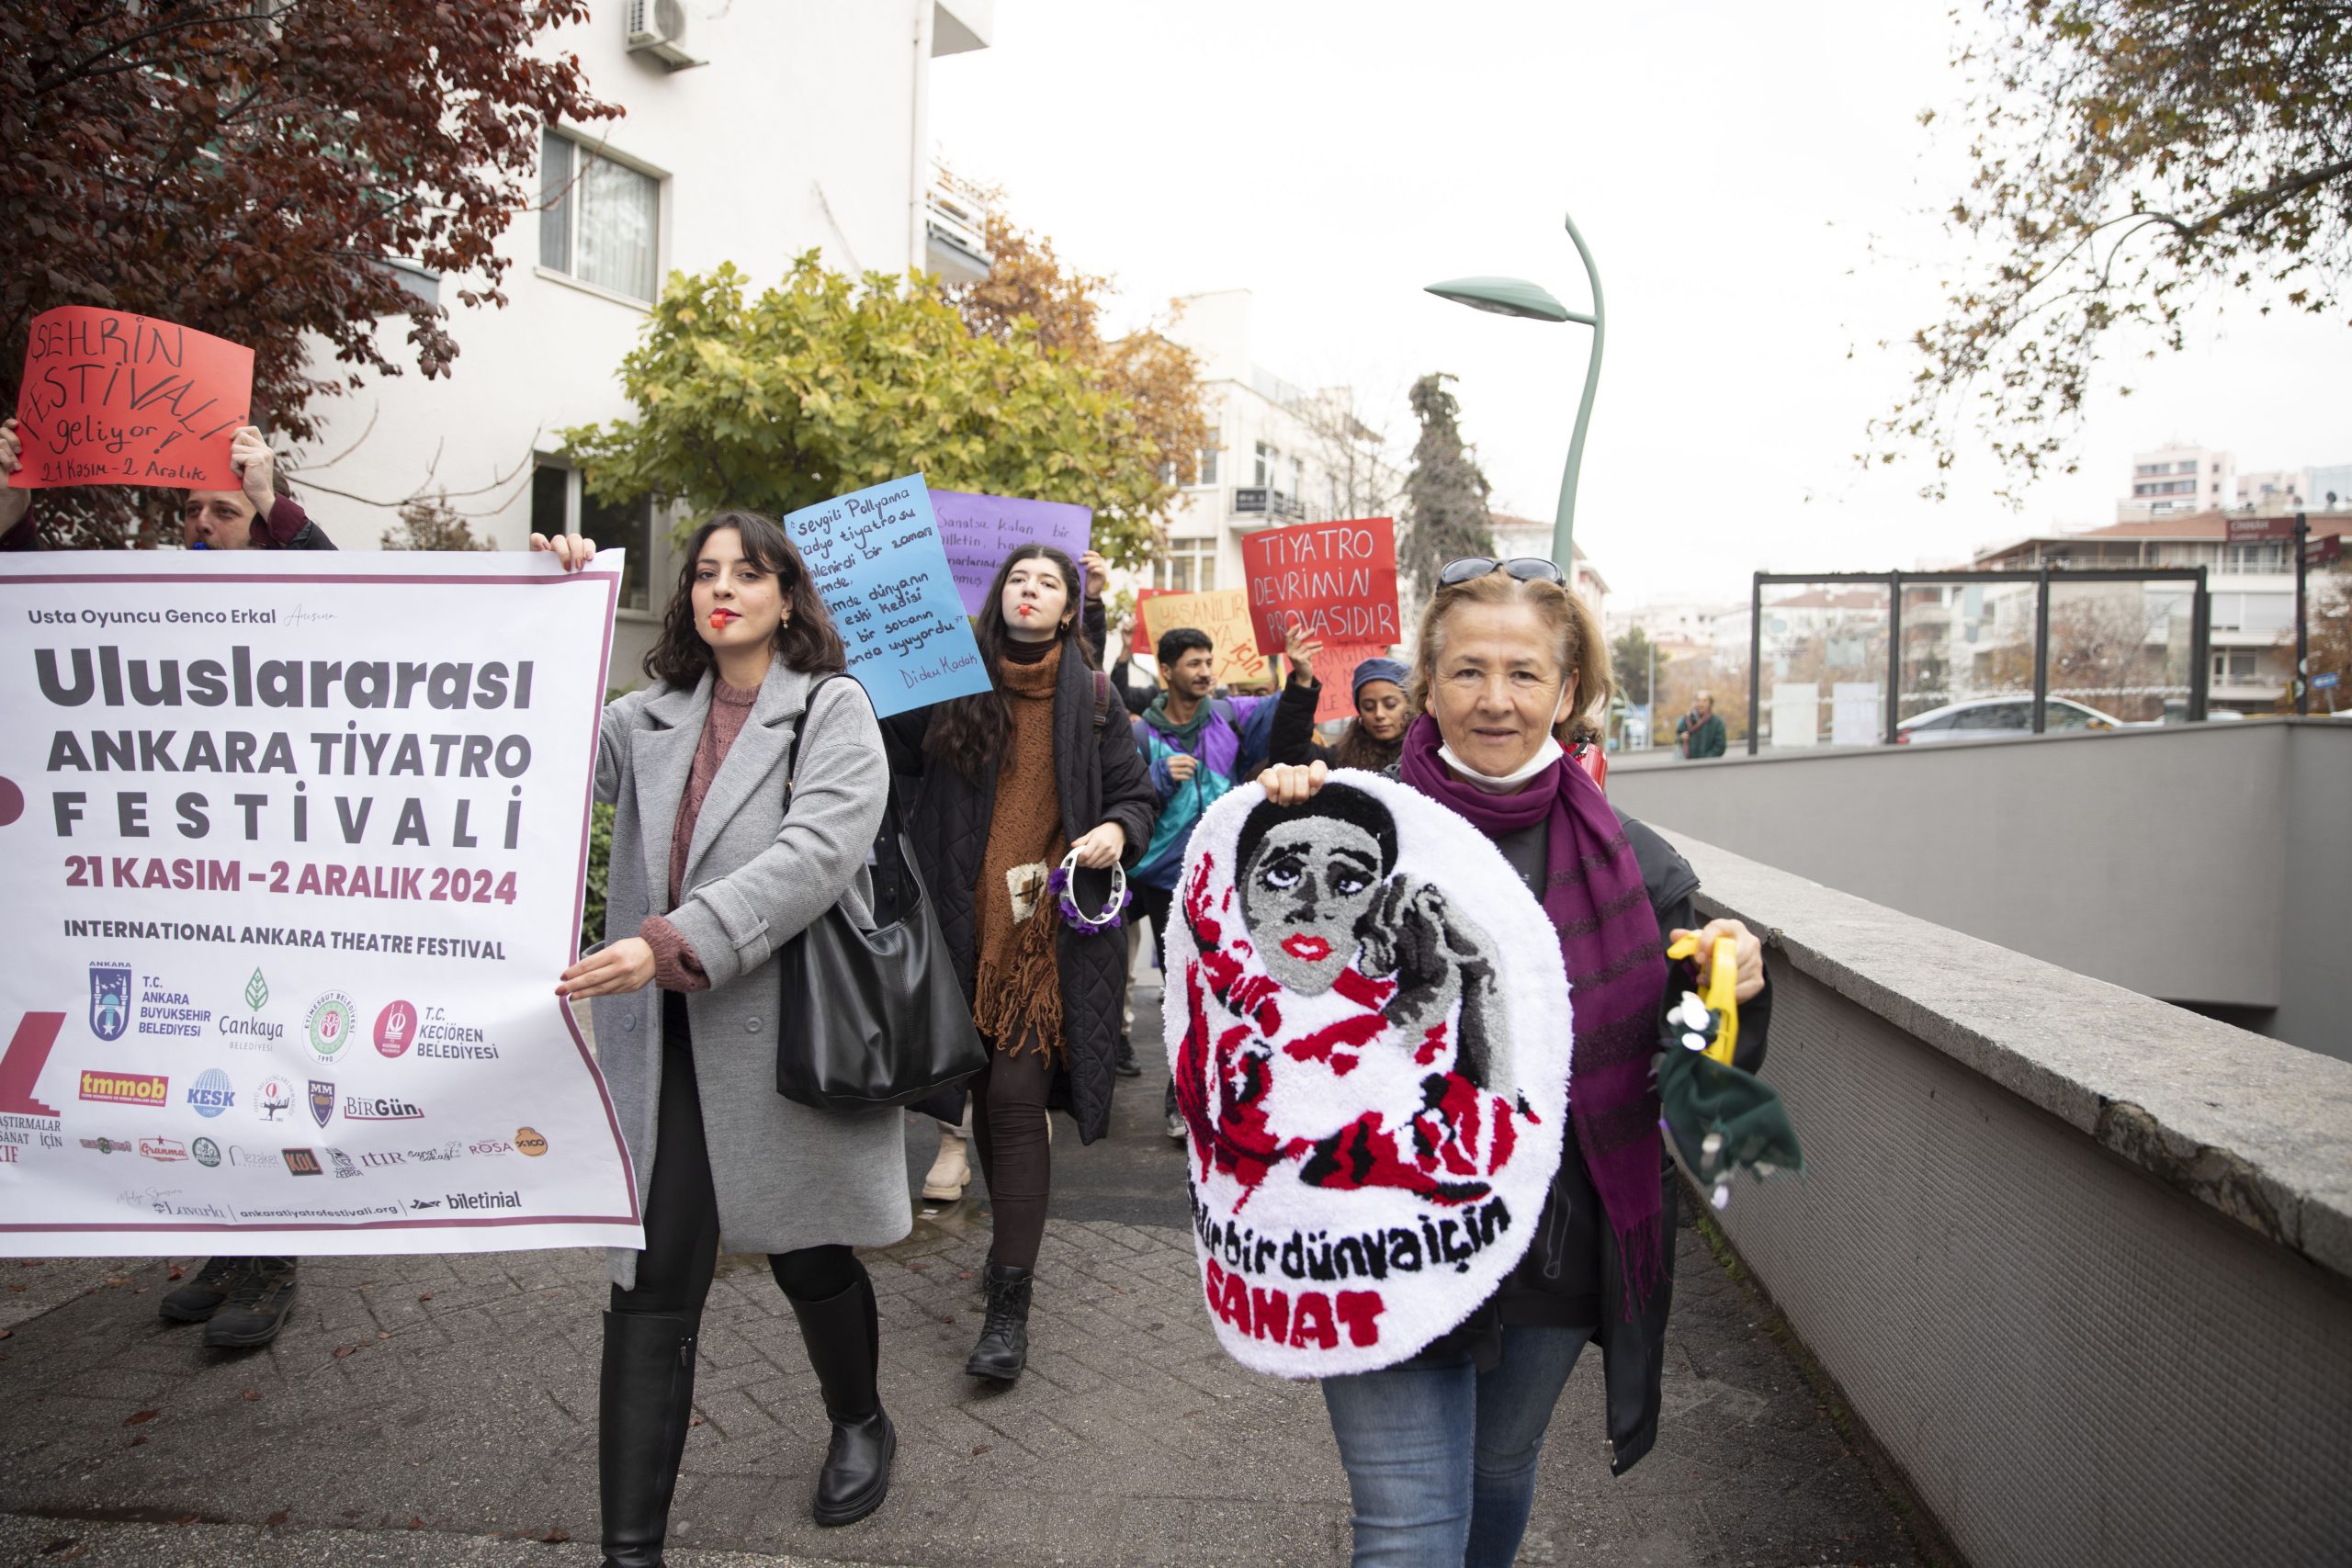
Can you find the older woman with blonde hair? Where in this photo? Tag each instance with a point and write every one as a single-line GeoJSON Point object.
{"type": "Point", "coordinates": [1441, 1449]}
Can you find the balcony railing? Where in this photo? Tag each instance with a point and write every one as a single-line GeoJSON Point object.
{"type": "Point", "coordinates": [1263, 501]}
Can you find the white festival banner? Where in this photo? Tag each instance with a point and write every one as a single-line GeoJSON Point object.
{"type": "Point", "coordinates": [291, 853]}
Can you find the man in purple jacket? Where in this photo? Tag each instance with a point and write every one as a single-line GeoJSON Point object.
{"type": "Point", "coordinates": [1198, 746]}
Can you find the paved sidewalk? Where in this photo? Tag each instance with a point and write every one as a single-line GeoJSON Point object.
{"type": "Point", "coordinates": [441, 1410]}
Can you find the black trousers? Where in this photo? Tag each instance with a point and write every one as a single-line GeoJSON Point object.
{"type": "Point", "coordinates": [674, 1272]}
{"type": "Point", "coordinates": [1156, 905]}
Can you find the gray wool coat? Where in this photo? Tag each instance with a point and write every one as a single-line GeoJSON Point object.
{"type": "Point", "coordinates": [787, 1176]}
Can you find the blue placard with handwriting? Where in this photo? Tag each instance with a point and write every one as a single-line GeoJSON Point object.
{"type": "Point", "coordinates": [879, 566]}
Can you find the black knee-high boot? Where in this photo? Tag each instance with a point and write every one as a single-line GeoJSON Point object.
{"type": "Point", "coordinates": [843, 1335]}
{"type": "Point", "coordinates": [644, 1406]}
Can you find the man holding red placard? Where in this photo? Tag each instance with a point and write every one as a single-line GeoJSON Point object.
{"type": "Point", "coordinates": [260, 515]}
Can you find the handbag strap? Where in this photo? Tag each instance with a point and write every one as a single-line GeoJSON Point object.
{"type": "Point", "coordinates": [887, 858]}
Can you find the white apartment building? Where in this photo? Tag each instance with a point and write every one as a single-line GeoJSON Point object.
{"type": "Point", "coordinates": [2179, 479]}
{"type": "Point", "coordinates": [687, 179]}
{"type": "Point", "coordinates": [1277, 453]}
{"type": "Point", "coordinates": [2276, 490]}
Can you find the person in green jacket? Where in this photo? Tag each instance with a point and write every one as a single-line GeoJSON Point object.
{"type": "Point", "coordinates": [1699, 734]}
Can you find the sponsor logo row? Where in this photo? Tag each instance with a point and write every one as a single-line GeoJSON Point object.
{"type": "Point", "coordinates": [306, 1161]}
{"type": "Point", "coordinates": [213, 1095]}
{"type": "Point", "coordinates": [327, 1028]}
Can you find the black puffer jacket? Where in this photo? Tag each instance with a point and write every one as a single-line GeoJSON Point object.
{"type": "Point", "coordinates": [1101, 779]}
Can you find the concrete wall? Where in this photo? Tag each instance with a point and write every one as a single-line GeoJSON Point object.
{"type": "Point", "coordinates": [2078, 1259]}
{"type": "Point", "coordinates": [2206, 864]}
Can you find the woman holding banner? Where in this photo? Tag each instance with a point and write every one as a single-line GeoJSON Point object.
{"type": "Point", "coordinates": [1373, 740]}
{"type": "Point", "coordinates": [1028, 794]}
{"type": "Point", "coordinates": [1441, 1448]}
{"type": "Point", "coordinates": [709, 875]}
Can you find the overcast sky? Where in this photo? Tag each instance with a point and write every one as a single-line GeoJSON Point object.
{"type": "Point", "coordinates": [1731, 165]}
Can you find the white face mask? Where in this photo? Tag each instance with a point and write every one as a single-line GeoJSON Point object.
{"type": "Point", "coordinates": [1506, 784]}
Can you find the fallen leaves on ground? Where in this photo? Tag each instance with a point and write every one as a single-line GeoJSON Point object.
{"type": "Point", "coordinates": [141, 1418]}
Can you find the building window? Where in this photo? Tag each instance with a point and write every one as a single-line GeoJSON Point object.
{"type": "Point", "coordinates": [600, 221]}
{"type": "Point", "coordinates": [559, 505]}
{"type": "Point", "coordinates": [2268, 557]}
{"type": "Point", "coordinates": [1206, 458]}
{"type": "Point", "coordinates": [2233, 666]}
{"type": "Point", "coordinates": [1189, 566]}
{"type": "Point", "coordinates": [1298, 476]}
{"type": "Point", "coordinates": [1270, 459]}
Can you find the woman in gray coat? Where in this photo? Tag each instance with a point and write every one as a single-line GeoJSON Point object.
{"type": "Point", "coordinates": [709, 875]}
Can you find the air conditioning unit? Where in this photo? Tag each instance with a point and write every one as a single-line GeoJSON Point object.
{"type": "Point", "coordinates": [658, 27]}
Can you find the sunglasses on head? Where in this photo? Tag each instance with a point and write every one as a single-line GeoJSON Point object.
{"type": "Point", "coordinates": [1527, 569]}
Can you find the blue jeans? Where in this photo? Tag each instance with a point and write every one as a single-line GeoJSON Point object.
{"type": "Point", "coordinates": [1442, 1459]}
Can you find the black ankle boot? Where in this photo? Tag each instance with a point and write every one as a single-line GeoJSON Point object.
{"type": "Point", "coordinates": [644, 1405]}
{"type": "Point", "coordinates": [844, 1339]}
{"type": "Point", "coordinates": [1003, 1349]}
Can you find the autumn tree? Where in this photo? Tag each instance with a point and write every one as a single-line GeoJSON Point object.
{"type": "Point", "coordinates": [430, 522]}
{"type": "Point", "coordinates": [247, 167]}
{"type": "Point", "coordinates": [1030, 295]}
{"type": "Point", "coordinates": [1350, 454]}
{"type": "Point", "coordinates": [827, 384]}
{"type": "Point", "coordinates": [2133, 158]}
{"type": "Point", "coordinates": [1445, 493]}
{"type": "Point", "coordinates": [1630, 657]}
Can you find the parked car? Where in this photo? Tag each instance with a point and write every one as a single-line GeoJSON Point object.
{"type": "Point", "coordinates": [1989, 717]}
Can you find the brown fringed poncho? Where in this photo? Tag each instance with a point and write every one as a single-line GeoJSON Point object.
{"type": "Point", "coordinates": [1017, 994]}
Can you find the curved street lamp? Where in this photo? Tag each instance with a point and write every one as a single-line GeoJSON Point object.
{"type": "Point", "coordinates": [1516, 297]}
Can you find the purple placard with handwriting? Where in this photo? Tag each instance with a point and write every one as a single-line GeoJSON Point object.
{"type": "Point", "coordinates": [979, 530]}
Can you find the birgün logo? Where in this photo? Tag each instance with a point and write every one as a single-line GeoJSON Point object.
{"type": "Point", "coordinates": [379, 1108]}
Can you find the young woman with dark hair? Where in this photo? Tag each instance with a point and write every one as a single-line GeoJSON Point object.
{"type": "Point", "coordinates": [1373, 740]}
{"type": "Point", "coordinates": [711, 875]}
{"type": "Point", "coordinates": [1009, 783]}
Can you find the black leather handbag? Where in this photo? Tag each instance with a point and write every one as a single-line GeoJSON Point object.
{"type": "Point", "coordinates": [869, 1019]}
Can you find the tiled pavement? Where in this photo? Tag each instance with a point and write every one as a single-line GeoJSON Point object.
{"type": "Point", "coordinates": [441, 1410]}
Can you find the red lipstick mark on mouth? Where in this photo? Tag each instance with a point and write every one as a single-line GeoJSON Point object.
{"type": "Point", "coordinates": [719, 618]}
{"type": "Point", "coordinates": [1306, 949]}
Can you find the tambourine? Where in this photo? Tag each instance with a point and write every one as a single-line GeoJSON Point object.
{"type": "Point", "coordinates": [1061, 882]}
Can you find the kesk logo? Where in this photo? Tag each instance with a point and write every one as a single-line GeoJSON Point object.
{"type": "Point", "coordinates": [211, 1093]}
{"type": "Point", "coordinates": [208, 1153]}
{"type": "Point", "coordinates": [379, 1108]}
{"type": "Point", "coordinates": [321, 1101]}
{"type": "Point", "coordinates": [125, 1089]}
{"type": "Point", "coordinates": [528, 1142]}
{"type": "Point", "coordinates": [302, 1162]}
{"type": "Point", "coordinates": [329, 1025]}
{"type": "Point", "coordinates": [109, 999]}
{"type": "Point", "coordinates": [395, 1029]}
{"type": "Point", "coordinates": [272, 1099]}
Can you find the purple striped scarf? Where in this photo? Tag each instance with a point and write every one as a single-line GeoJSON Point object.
{"type": "Point", "coordinates": [1594, 893]}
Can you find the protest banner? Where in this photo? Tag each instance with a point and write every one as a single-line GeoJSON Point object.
{"type": "Point", "coordinates": [111, 398]}
{"type": "Point", "coordinates": [880, 569]}
{"type": "Point", "coordinates": [1335, 580]}
{"type": "Point", "coordinates": [979, 530]}
{"type": "Point", "coordinates": [1335, 669]}
{"type": "Point", "coordinates": [284, 929]}
{"type": "Point", "coordinates": [1224, 613]}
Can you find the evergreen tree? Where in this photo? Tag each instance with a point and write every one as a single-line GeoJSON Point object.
{"type": "Point", "coordinates": [1445, 495]}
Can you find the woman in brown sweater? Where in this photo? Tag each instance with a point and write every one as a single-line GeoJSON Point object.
{"type": "Point", "coordinates": [1010, 783]}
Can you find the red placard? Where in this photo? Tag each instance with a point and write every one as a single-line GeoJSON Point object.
{"type": "Point", "coordinates": [1334, 673]}
{"type": "Point", "coordinates": [111, 398]}
{"type": "Point", "coordinates": [1334, 581]}
{"type": "Point", "coordinates": [2245, 530]}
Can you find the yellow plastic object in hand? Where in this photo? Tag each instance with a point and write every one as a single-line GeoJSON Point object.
{"type": "Point", "coordinates": [1722, 996]}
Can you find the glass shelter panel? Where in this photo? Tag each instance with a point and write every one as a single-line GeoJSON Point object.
{"type": "Point", "coordinates": [1822, 666]}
